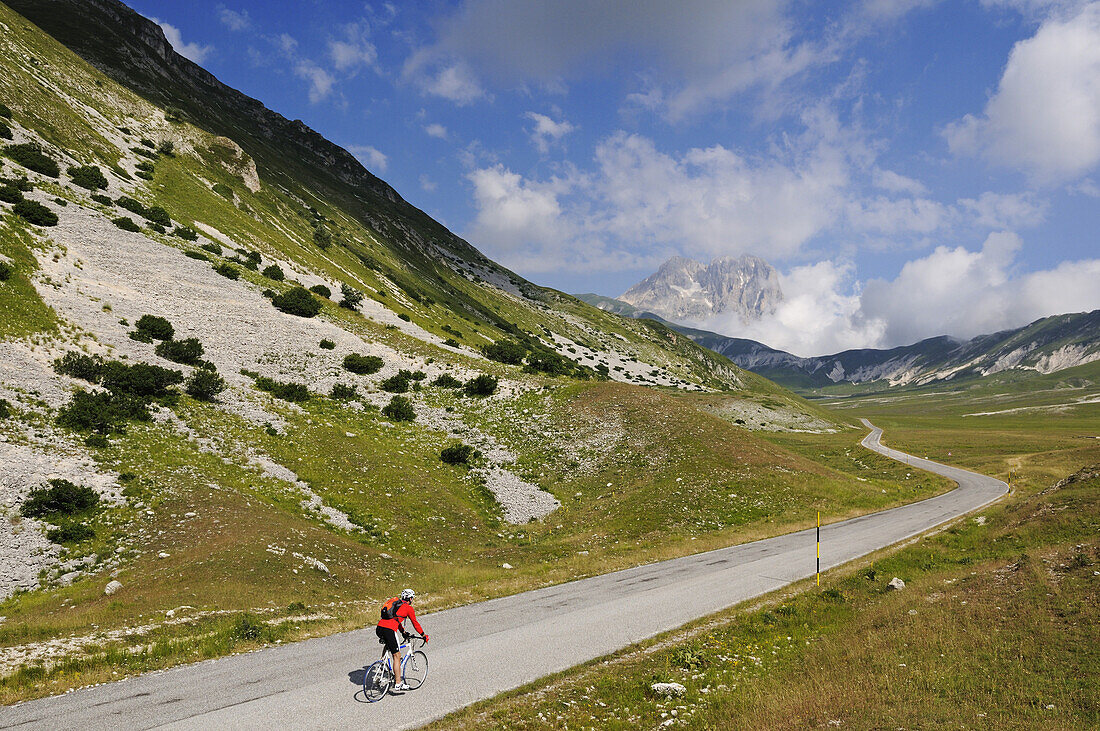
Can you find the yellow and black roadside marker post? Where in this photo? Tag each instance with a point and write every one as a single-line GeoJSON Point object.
{"type": "Point", "coordinates": [819, 548]}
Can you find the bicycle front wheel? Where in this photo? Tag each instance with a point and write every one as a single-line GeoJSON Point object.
{"type": "Point", "coordinates": [416, 669]}
{"type": "Point", "coordinates": [377, 681]}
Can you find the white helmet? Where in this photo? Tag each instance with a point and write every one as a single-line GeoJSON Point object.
{"type": "Point", "coordinates": [408, 595]}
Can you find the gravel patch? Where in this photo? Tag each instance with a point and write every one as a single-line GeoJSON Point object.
{"type": "Point", "coordinates": [24, 549]}
{"type": "Point", "coordinates": [757, 417]}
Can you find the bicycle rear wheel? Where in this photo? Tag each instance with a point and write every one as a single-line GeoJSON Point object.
{"type": "Point", "coordinates": [377, 681]}
{"type": "Point", "coordinates": [416, 669]}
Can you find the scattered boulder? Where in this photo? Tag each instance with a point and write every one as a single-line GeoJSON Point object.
{"type": "Point", "coordinates": [112, 587]}
{"type": "Point", "coordinates": [668, 690]}
{"type": "Point", "coordinates": [895, 584]}
{"type": "Point", "coordinates": [506, 566]}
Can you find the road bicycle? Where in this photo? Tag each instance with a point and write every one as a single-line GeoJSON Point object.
{"type": "Point", "coordinates": [379, 679]}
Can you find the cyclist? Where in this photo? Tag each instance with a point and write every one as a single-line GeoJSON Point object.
{"type": "Point", "coordinates": [394, 613]}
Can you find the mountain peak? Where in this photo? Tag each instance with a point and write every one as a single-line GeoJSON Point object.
{"type": "Point", "coordinates": [685, 289]}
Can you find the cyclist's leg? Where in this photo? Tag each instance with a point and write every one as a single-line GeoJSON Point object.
{"type": "Point", "coordinates": [398, 671]}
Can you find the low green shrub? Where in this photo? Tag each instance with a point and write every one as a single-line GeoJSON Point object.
{"type": "Point", "coordinates": [286, 390]}
{"type": "Point", "coordinates": [60, 498]}
{"type": "Point", "coordinates": [549, 363]}
{"type": "Point", "coordinates": [102, 199]}
{"type": "Point", "coordinates": [70, 533]}
{"type": "Point", "coordinates": [146, 142]}
{"type": "Point", "coordinates": [187, 351]}
{"type": "Point", "coordinates": [155, 327]}
{"type": "Point", "coordinates": [5, 112]}
{"type": "Point", "coordinates": [188, 234]}
{"type": "Point", "coordinates": [157, 214]}
{"type": "Point", "coordinates": [143, 380]}
{"type": "Point", "coordinates": [88, 176]}
{"type": "Point", "coordinates": [5, 131]}
{"type": "Point", "coordinates": [205, 384]}
{"type": "Point", "coordinates": [483, 385]}
{"type": "Point", "coordinates": [5, 409]}
{"type": "Point", "coordinates": [452, 343]}
{"type": "Point", "coordinates": [362, 364]}
{"type": "Point", "coordinates": [459, 454]}
{"type": "Point", "coordinates": [351, 297]}
{"type": "Point", "coordinates": [5, 271]}
{"type": "Point", "coordinates": [341, 392]}
{"type": "Point", "coordinates": [102, 411]}
{"type": "Point", "coordinates": [31, 156]}
{"type": "Point", "coordinates": [132, 205]}
{"type": "Point", "coordinates": [399, 409]}
{"type": "Point", "coordinates": [212, 248]}
{"type": "Point", "coordinates": [78, 365]}
{"type": "Point", "coordinates": [505, 351]}
{"type": "Point", "coordinates": [398, 383]}
{"type": "Point", "coordinates": [126, 223]}
{"type": "Point", "coordinates": [322, 236]}
{"type": "Point", "coordinates": [196, 255]}
{"type": "Point", "coordinates": [447, 381]}
{"type": "Point", "coordinates": [97, 441]}
{"type": "Point", "coordinates": [403, 316]}
{"type": "Point", "coordinates": [321, 290]}
{"type": "Point", "coordinates": [297, 301]}
{"type": "Point", "coordinates": [274, 272]}
{"type": "Point", "coordinates": [223, 190]}
{"type": "Point", "coordinates": [248, 627]}
{"type": "Point", "coordinates": [34, 212]}
{"type": "Point", "coordinates": [166, 148]}
{"type": "Point", "coordinates": [227, 270]}
{"type": "Point", "coordinates": [326, 344]}
{"type": "Point", "coordinates": [10, 193]}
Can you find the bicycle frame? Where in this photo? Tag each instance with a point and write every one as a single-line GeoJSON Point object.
{"type": "Point", "coordinates": [406, 649]}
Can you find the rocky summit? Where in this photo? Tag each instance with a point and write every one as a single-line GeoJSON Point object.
{"type": "Point", "coordinates": [687, 290]}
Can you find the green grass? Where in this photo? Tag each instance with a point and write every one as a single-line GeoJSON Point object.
{"type": "Point", "coordinates": [1018, 644]}
{"type": "Point", "coordinates": [995, 629]}
{"type": "Point", "coordinates": [670, 495]}
{"type": "Point", "coordinates": [22, 312]}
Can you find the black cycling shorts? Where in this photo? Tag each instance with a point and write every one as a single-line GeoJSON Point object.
{"type": "Point", "coordinates": [388, 638]}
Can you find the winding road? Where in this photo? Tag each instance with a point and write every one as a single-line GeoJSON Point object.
{"type": "Point", "coordinates": [482, 649]}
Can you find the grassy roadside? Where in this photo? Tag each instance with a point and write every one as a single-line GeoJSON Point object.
{"type": "Point", "coordinates": [995, 629]}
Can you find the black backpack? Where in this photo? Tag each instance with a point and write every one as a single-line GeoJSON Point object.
{"type": "Point", "coordinates": [389, 609]}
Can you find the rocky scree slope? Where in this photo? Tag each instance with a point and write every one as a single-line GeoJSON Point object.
{"type": "Point", "coordinates": [148, 214]}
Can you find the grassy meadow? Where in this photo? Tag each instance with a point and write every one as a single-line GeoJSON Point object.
{"type": "Point", "coordinates": [995, 629]}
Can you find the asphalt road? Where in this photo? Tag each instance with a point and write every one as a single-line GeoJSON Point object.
{"type": "Point", "coordinates": [480, 650]}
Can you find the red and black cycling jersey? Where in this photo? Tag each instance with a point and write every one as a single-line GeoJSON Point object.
{"type": "Point", "coordinates": [405, 611]}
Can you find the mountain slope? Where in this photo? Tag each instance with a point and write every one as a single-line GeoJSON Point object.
{"type": "Point", "coordinates": [684, 289]}
{"type": "Point", "coordinates": [1045, 346]}
{"type": "Point", "coordinates": [149, 259]}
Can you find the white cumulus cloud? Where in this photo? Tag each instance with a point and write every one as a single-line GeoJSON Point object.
{"type": "Point", "coordinates": [1045, 115]}
{"type": "Point", "coordinates": [233, 19]}
{"type": "Point", "coordinates": [193, 51]}
{"type": "Point", "coordinates": [371, 158]}
{"type": "Point", "coordinates": [320, 80]}
{"type": "Point", "coordinates": [547, 131]}
{"type": "Point", "coordinates": [436, 130]}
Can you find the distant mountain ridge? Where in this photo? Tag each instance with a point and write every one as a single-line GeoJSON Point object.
{"type": "Point", "coordinates": [685, 289]}
{"type": "Point", "coordinates": [1045, 346]}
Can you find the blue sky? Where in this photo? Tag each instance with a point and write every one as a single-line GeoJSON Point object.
{"type": "Point", "coordinates": [911, 167]}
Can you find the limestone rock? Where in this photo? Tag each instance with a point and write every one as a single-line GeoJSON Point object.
{"type": "Point", "coordinates": [112, 587]}
{"type": "Point", "coordinates": [684, 289]}
{"type": "Point", "coordinates": [895, 584]}
{"type": "Point", "coordinates": [668, 690]}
